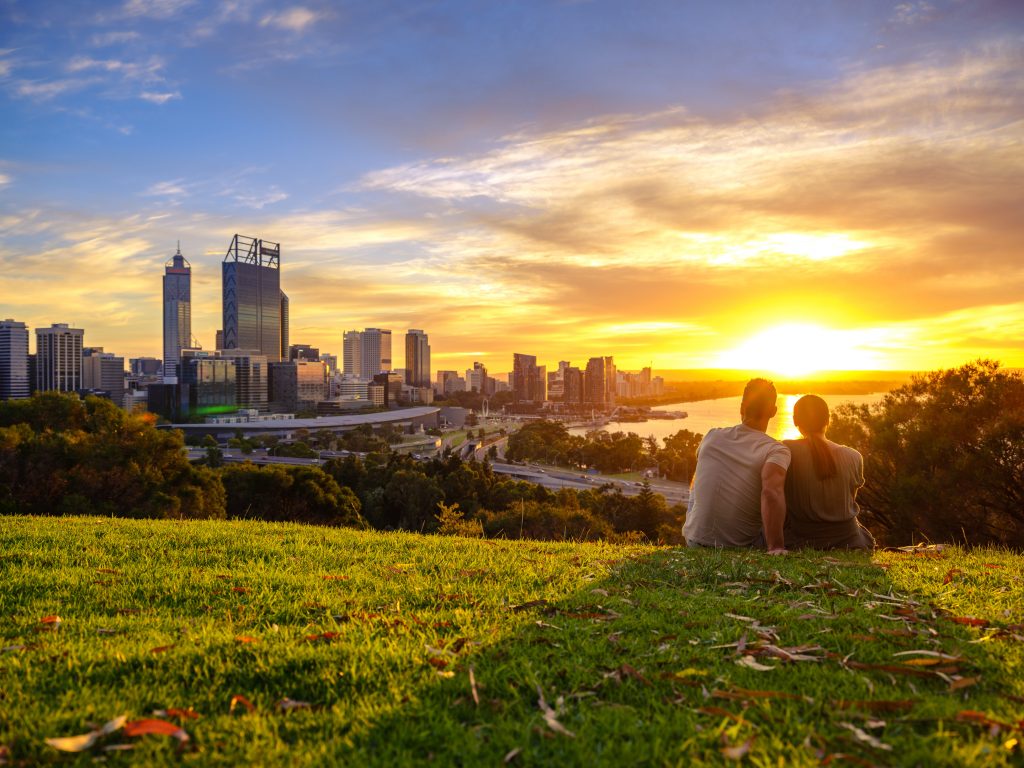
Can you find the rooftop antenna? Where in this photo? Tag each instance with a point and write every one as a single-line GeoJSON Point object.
{"type": "Point", "coordinates": [179, 247]}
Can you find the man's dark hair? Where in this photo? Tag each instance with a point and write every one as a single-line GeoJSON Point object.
{"type": "Point", "coordinates": [758, 399]}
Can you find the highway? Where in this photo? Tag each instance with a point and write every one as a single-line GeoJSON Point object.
{"type": "Point", "coordinates": [553, 478]}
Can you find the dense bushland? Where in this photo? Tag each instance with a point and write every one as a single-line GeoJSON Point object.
{"type": "Point", "coordinates": [943, 457]}
{"type": "Point", "coordinates": [549, 442]}
{"type": "Point", "coordinates": [60, 455]}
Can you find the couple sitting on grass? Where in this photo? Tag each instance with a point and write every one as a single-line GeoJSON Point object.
{"type": "Point", "coordinates": [750, 490]}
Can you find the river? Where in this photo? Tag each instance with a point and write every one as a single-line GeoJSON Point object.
{"type": "Point", "coordinates": [724, 412]}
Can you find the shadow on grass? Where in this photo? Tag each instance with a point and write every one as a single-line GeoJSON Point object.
{"type": "Point", "coordinates": [648, 666]}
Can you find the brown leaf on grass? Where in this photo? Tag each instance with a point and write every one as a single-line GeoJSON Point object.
{"type": "Point", "coordinates": [162, 648]}
{"type": "Point", "coordinates": [749, 663]}
{"type": "Point", "coordinates": [246, 639]}
{"type": "Point", "coordinates": [128, 611]}
{"type": "Point", "coordinates": [333, 577]}
{"type": "Point", "coordinates": [470, 573]}
{"type": "Point", "coordinates": [50, 622]}
{"type": "Point", "coordinates": [107, 631]}
{"type": "Point", "coordinates": [241, 590]}
{"type": "Point", "coordinates": [151, 726]}
{"type": "Point", "coordinates": [738, 751]}
{"type": "Point", "coordinates": [238, 700]}
{"type": "Point", "coordinates": [287, 705]}
{"type": "Point", "coordinates": [551, 717]}
{"type": "Point", "coordinates": [969, 621]}
{"type": "Point", "coordinates": [876, 706]}
{"type": "Point", "coordinates": [323, 636]}
{"type": "Point", "coordinates": [628, 671]}
{"type": "Point", "coordinates": [86, 740]}
{"type": "Point", "coordinates": [866, 738]}
{"type": "Point", "coordinates": [963, 682]}
{"type": "Point", "coordinates": [472, 687]}
{"type": "Point", "coordinates": [180, 714]}
{"type": "Point", "coordinates": [437, 662]}
{"type": "Point", "coordinates": [924, 662]}
{"type": "Point", "coordinates": [980, 718]}
{"type": "Point", "coordinates": [950, 574]}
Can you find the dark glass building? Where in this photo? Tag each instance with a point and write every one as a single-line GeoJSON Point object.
{"type": "Point", "coordinates": [252, 298]}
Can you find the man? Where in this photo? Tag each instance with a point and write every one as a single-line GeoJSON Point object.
{"type": "Point", "coordinates": [739, 485]}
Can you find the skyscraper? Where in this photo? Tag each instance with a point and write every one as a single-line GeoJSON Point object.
{"type": "Point", "coordinates": [417, 359]}
{"type": "Point", "coordinates": [103, 371]}
{"type": "Point", "coordinates": [252, 298]}
{"type": "Point", "coordinates": [376, 351]}
{"type": "Point", "coordinates": [596, 390]}
{"type": "Point", "coordinates": [285, 312]}
{"type": "Point", "coordinates": [529, 382]}
{"type": "Point", "coordinates": [59, 358]}
{"type": "Point", "coordinates": [177, 312]}
{"type": "Point", "coordinates": [14, 382]}
{"type": "Point", "coordinates": [352, 354]}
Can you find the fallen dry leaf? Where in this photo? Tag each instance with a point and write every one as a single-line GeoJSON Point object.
{"type": "Point", "coordinates": [154, 727]}
{"type": "Point", "coordinates": [865, 737]}
{"type": "Point", "coordinates": [238, 700]}
{"type": "Point", "coordinates": [550, 717]}
{"type": "Point", "coordinates": [286, 704]}
{"type": "Point", "coordinates": [332, 577]}
{"type": "Point", "coordinates": [246, 639]}
{"type": "Point", "coordinates": [969, 621]}
{"type": "Point", "coordinates": [963, 682]}
{"type": "Point", "coordinates": [950, 574]}
{"type": "Point", "coordinates": [241, 590]}
{"type": "Point", "coordinates": [161, 648]}
{"type": "Point", "coordinates": [739, 751]}
{"type": "Point", "coordinates": [181, 714]}
{"type": "Point", "coordinates": [749, 663]}
{"type": "Point", "coordinates": [86, 740]}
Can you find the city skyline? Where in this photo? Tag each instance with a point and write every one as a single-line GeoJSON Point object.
{"type": "Point", "coordinates": [759, 186]}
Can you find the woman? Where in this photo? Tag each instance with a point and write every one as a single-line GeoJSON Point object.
{"type": "Point", "coordinates": [821, 485]}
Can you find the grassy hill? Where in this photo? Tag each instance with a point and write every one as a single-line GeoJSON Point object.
{"type": "Point", "coordinates": [391, 649]}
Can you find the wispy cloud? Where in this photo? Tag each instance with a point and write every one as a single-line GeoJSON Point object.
{"type": "Point", "coordinates": [154, 97]}
{"type": "Point", "coordinates": [104, 39]}
{"type": "Point", "coordinates": [155, 9]}
{"type": "Point", "coordinates": [295, 19]}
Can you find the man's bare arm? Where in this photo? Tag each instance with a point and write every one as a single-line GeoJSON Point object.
{"type": "Point", "coordinates": [773, 506]}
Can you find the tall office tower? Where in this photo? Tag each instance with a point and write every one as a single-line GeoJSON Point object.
{"type": "Point", "coordinates": [417, 359]}
{"type": "Point", "coordinates": [145, 366]}
{"type": "Point", "coordinates": [610, 381]}
{"type": "Point", "coordinates": [572, 386]}
{"type": "Point", "coordinates": [529, 380]}
{"type": "Point", "coordinates": [103, 371]}
{"type": "Point", "coordinates": [352, 354]}
{"type": "Point", "coordinates": [177, 312]}
{"type": "Point", "coordinates": [251, 285]}
{"type": "Point", "coordinates": [59, 358]}
{"type": "Point", "coordinates": [376, 351]}
{"type": "Point", "coordinates": [596, 389]}
{"type": "Point", "coordinates": [251, 378]}
{"type": "Point", "coordinates": [284, 325]}
{"type": "Point", "coordinates": [14, 383]}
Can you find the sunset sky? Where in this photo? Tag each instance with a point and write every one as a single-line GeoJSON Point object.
{"type": "Point", "coordinates": [801, 185]}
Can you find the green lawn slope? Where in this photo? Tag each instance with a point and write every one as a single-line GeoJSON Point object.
{"type": "Point", "coordinates": [266, 644]}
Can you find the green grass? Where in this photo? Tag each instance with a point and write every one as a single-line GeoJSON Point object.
{"type": "Point", "coordinates": [636, 649]}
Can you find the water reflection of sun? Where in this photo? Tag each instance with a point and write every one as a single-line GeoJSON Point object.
{"type": "Point", "coordinates": [782, 427]}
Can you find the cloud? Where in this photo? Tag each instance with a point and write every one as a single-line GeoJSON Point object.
{"type": "Point", "coordinates": [916, 12]}
{"type": "Point", "coordinates": [104, 39]}
{"type": "Point", "coordinates": [294, 19]}
{"type": "Point", "coordinates": [259, 198]}
{"type": "Point", "coordinates": [5, 179]}
{"type": "Point", "coordinates": [159, 98]}
{"type": "Point", "coordinates": [155, 9]}
{"type": "Point", "coordinates": [47, 90]}
{"type": "Point", "coordinates": [173, 188]}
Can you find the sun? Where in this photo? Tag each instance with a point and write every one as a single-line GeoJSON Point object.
{"type": "Point", "coordinates": [799, 350]}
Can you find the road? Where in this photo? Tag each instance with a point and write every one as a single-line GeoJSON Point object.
{"type": "Point", "coordinates": [553, 478]}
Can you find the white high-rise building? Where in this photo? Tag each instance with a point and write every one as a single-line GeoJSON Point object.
{"type": "Point", "coordinates": [59, 358]}
{"type": "Point", "coordinates": [376, 352]}
{"type": "Point", "coordinates": [14, 383]}
{"type": "Point", "coordinates": [352, 354]}
{"type": "Point", "coordinates": [177, 313]}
